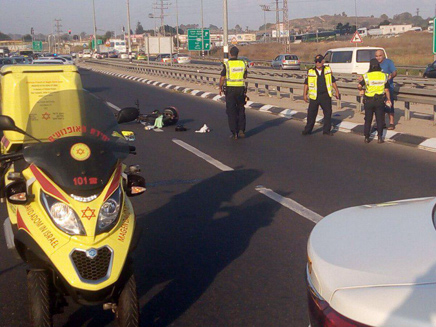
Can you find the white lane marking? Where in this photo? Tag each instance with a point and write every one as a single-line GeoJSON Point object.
{"type": "Point", "coordinates": [203, 155]}
{"type": "Point", "coordinates": [286, 202]}
{"type": "Point", "coordinates": [205, 94]}
{"type": "Point", "coordinates": [290, 204]}
{"type": "Point", "coordinates": [113, 106]}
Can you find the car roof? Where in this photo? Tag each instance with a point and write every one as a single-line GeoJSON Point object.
{"type": "Point", "coordinates": [354, 48]}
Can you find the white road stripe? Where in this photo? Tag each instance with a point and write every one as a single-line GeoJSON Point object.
{"type": "Point", "coordinates": [286, 202]}
{"type": "Point", "coordinates": [203, 155]}
{"type": "Point", "coordinates": [113, 106]}
{"type": "Point", "coordinates": [290, 204]}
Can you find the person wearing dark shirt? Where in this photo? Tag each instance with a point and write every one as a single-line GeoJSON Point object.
{"type": "Point", "coordinates": [318, 91]}
{"type": "Point", "coordinates": [232, 84]}
{"type": "Point", "coordinates": [376, 86]}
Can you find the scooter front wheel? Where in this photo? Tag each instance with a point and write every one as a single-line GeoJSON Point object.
{"type": "Point", "coordinates": [127, 314]}
{"type": "Point", "coordinates": [38, 289]}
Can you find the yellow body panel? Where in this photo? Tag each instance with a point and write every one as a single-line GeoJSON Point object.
{"type": "Point", "coordinates": [22, 86]}
{"type": "Point", "coordinates": [58, 245]}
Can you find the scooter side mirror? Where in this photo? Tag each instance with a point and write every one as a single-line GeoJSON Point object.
{"type": "Point", "coordinates": [16, 193]}
{"type": "Point", "coordinates": [128, 114]}
{"type": "Point", "coordinates": [135, 185]}
{"type": "Point", "coordinates": [7, 123]}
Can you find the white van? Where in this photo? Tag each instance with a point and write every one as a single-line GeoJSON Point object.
{"type": "Point", "coordinates": [352, 60]}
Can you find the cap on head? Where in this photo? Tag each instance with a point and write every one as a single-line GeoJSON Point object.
{"type": "Point", "coordinates": [319, 58]}
{"type": "Point", "coordinates": [234, 52]}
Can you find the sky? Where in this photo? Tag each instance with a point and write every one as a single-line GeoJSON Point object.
{"type": "Point", "coordinates": [18, 16]}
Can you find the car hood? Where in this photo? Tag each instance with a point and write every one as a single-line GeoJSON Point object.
{"type": "Point", "coordinates": [385, 245]}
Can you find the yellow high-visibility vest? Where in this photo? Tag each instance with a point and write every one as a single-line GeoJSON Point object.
{"type": "Point", "coordinates": [312, 82]}
{"type": "Point", "coordinates": [235, 70]}
{"type": "Point", "coordinates": [375, 83]}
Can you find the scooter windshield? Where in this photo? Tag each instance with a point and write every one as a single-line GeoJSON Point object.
{"type": "Point", "coordinates": [81, 141]}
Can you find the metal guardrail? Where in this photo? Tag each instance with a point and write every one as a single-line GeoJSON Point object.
{"type": "Point", "coordinates": [270, 82]}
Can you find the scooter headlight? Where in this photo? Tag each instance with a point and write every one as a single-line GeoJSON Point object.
{"type": "Point", "coordinates": [109, 212]}
{"type": "Point", "coordinates": [62, 215]}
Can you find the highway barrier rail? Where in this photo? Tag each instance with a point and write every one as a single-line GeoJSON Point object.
{"type": "Point", "coordinates": [415, 92]}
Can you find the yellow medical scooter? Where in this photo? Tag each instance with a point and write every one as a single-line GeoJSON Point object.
{"type": "Point", "coordinates": [66, 191]}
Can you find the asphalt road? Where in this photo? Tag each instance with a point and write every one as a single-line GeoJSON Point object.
{"type": "Point", "coordinates": [215, 251]}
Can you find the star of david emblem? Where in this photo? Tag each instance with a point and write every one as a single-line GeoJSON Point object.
{"type": "Point", "coordinates": [88, 213]}
{"type": "Point", "coordinates": [80, 151]}
{"type": "Point", "coordinates": [46, 116]}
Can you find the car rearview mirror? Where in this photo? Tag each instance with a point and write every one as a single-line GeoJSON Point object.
{"type": "Point", "coordinates": [7, 123]}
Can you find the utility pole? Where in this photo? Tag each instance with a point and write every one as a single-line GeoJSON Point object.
{"type": "Point", "coordinates": [225, 31]}
{"type": "Point", "coordinates": [161, 7]}
{"type": "Point", "coordinates": [128, 28]}
{"type": "Point", "coordinates": [417, 11]}
{"type": "Point", "coordinates": [355, 13]}
{"type": "Point", "coordinates": [286, 25]}
{"type": "Point", "coordinates": [264, 8]}
{"type": "Point", "coordinates": [58, 33]}
{"type": "Point", "coordinates": [95, 26]}
{"type": "Point", "coordinates": [277, 21]}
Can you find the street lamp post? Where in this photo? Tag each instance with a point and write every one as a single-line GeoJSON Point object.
{"type": "Point", "coordinates": [128, 27]}
{"type": "Point", "coordinates": [177, 23]}
{"type": "Point", "coordinates": [95, 26]}
{"type": "Point", "coordinates": [225, 31]}
{"type": "Point", "coordinates": [202, 30]}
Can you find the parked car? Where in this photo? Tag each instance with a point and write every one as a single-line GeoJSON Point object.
{"type": "Point", "coordinates": [182, 58]}
{"type": "Point", "coordinates": [350, 60]}
{"type": "Point", "coordinates": [112, 54]}
{"type": "Point", "coordinates": [430, 71]}
{"type": "Point", "coordinates": [7, 61]}
{"type": "Point", "coordinates": [23, 60]}
{"type": "Point", "coordinates": [141, 56]}
{"type": "Point", "coordinates": [286, 61]}
{"type": "Point", "coordinates": [124, 56]}
{"type": "Point", "coordinates": [87, 55]}
{"type": "Point", "coordinates": [165, 58]}
{"type": "Point", "coordinates": [248, 62]}
{"type": "Point", "coordinates": [374, 265]}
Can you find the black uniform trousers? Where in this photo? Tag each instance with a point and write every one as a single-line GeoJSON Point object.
{"type": "Point", "coordinates": [235, 108]}
{"type": "Point", "coordinates": [325, 101]}
{"type": "Point", "coordinates": [375, 105]}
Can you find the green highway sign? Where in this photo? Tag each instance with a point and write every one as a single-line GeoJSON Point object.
{"type": "Point", "coordinates": [434, 36]}
{"type": "Point", "coordinates": [99, 41]}
{"type": "Point", "coordinates": [195, 40]}
{"type": "Point", "coordinates": [37, 45]}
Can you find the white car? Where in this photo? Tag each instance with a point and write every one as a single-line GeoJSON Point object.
{"type": "Point", "coordinates": [374, 265]}
{"type": "Point", "coordinates": [87, 55]}
{"type": "Point", "coordinates": [183, 58]}
{"type": "Point", "coordinates": [350, 60]}
{"type": "Point", "coordinates": [124, 56]}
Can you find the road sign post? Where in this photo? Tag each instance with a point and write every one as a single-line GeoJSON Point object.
{"type": "Point", "coordinates": [195, 40]}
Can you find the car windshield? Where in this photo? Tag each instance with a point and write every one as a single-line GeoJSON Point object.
{"type": "Point", "coordinates": [81, 141]}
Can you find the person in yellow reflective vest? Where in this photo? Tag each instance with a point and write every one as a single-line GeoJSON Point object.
{"type": "Point", "coordinates": [318, 91]}
{"type": "Point", "coordinates": [376, 86]}
{"type": "Point", "coordinates": [232, 84]}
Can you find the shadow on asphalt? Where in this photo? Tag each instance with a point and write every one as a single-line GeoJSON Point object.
{"type": "Point", "coordinates": [97, 89]}
{"type": "Point", "coordinates": [190, 240]}
{"type": "Point", "coordinates": [270, 123]}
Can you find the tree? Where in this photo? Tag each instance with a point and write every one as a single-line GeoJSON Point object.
{"type": "Point", "coordinates": [4, 37]}
{"type": "Point", "coordinates": [238, 28]}
{"type": "Point", "coordinates": [27, 38]}
{"type": "Point", "coordinates": [384, 17]}
{"type": "Point", "coordinates": [344, 14]}
{"type": "Point", "coordinates": [139, 28]}
{"type": "Point", "coordinates": [385, 22]}
{"type": "Point", "coordinates": [268, 26]}
{"type": "Point", "coordinates": [108, 35]}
